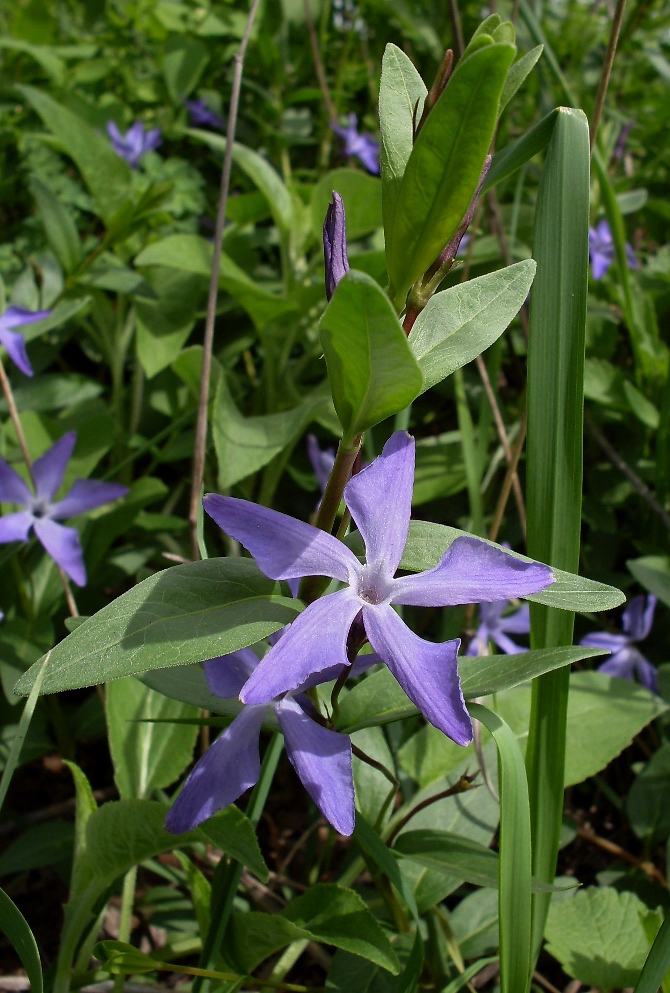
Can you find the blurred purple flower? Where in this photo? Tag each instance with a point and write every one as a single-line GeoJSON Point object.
{"type": "Point", "coordinates": [200, 113]}
{"type": "Point", "coordinates": [322, 459]}
{"type": "Point", "coordinates": [622, 139]}
{"type": "Point", "coordinates": [41, 513]}
{"type": "Point", "coordinates": [321, 757]}
{"type": "Point", "coordinates": [363, 146]}
{"type": "Point", "coordinates": [335, 244]}
{"type": "Point", "coordinates": [379, 498]}
{"type": "Point", "coordinates": [494, 627]}
{"type": "Point", "coordinates": [135, 143]}
{"type": "Point", "coordinates": [16, 317]}
{"type": "Point", "coordinates": [625, 660]}
{"type": "Point", "coordinates": [601, 250]}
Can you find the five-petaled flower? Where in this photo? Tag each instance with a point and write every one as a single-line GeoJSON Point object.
{"type": "Point", "coordinates": [363, 146]}
{"type": "Point", "coordinates": [135, 143]}
{"type": "Point", "coordinates": [200, 113]}
{"type": "Point", "coordinates": [626, 660]}
{"type": "Point", "coordinates": [321, 757]}
{"type": "Point", "coordinates": [16, 317]}
{"type": "Point", "coordinates": [41, 512]}
{"type": "Point", "coordinates": [495, 627]}
{"type": "Point", "coordinates": [379, 499]}
{"type": "Point", "coordinates": [601, 250]}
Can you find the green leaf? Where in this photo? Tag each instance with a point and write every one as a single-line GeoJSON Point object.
{"type": "Point", "coordinates": [647, 803]}
{"type": "Point", "coordinates": [85, 806]}
{"type": "Point", "coordinates": [233, 832]}
{"type": "Point", "coordinates": [378, 699]}
{"type": "Point", "coordinates": [60, 229]}
{"type": "Point", "coordinates": [604, 715]}
{"type": "Point", "coordinates": [598, 937]}
{"type": "Point", "coordinates": [188, 684]}
{"type": "Point", "coordinates": [184, 62]}
{"type": "Point", "coordinates": [444, 166]}
{"type": "Point", "coordinates": [44, 55]}
{"type": "Point", "coordinates": [15, 928]}
{"type": "Point", "coordinates": [657, 964]}
{"type": "Point", "coordinates": [401, 96]}
{"type": "Point", "coordinates": [428, 542]}
{"type": "Point", "coordinates": [521, 151]}
{"type": "Point", "coordinates": [105, 173]}
{"type": "Point", "coordinates": [474, 923]}
{"type": "Point", "coordinates": [122, 959]}
{"type": "Point", "coordinates": [192, 254]}
{"type": "Point", "coordinates": [123, 833]}
{"type": "Point", "coordinates": [246, 444]}
{"type": "Point", "coordinates": [362, 196]}
{"type": "Point", "coordinates": [184, 614]}
{"type": "Point", "coordinates": [459, 323]}
{"type": "Point", "coordinates": [147, 753]}
{"type": "Point", "coordinates": [372, 371]}
{"type": "Point", "coordinates": [259, 171]}
{"type": "Point", "coordinates": [165, 322]}
{"type": "Point", "coordinates": [517, 74]}
{"type": "Point", "coordinates": [40, 845]}
{"type": "Point", "coordinates": [326, 913]}
{"type": "Point", "coordinates": [653, 572]}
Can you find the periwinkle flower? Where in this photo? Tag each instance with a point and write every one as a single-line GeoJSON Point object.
{"type": "Point", "coordinates": [335, 244]}
{"type": "Point", "coordinates": [321, 757]}
{"type": "Point", "coordinates": [495, 627]}
{"type": "Point", "coordinates": [601, 250]}
{"type": "Point", "coordinates": [379, 499]}
{"type": "Point", "coordinates": [16, 317]}
{"type": "Point", "coordinates": [362, 146]}
{"type": "Point", "coordinates": [200, 113]}
{"type": "Point", "coordinates": [135, 143]}
{"type": "Point", "coordinates": [626, 661]}
{"type": "Point", "coordinates": [41, 512]}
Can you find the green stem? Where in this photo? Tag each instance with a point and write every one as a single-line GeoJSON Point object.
{"type": "Point", "coordinates": [227, 874]}
{"type": "Point", "coordinates": [126, 916]}
{"type": "Point", "coordinates": [466, 427]}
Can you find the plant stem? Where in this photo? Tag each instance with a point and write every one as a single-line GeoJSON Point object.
{"type": "Point", "coordinates": [227, 874]}
{"type": "Point", "coordinates": [208, 343]}
{"type": "Point", "coordinates": [126, 916]}
{"type": "Point", "coordinates": [606, 70]}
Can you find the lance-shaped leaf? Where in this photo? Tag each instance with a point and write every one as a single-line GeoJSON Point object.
{"type": "Point", "coordinates": [372, 371]}
{"type": "Point", "coordinates": [445, 165]}
{"type": "Point", "coordinates": [184, 614]}
{"type": "Point", "coordinates": [459, 323]}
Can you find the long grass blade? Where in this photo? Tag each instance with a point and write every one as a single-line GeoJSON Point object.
{"type": "Point", "coordinates": [554, 460]}
{"type": "Point", "coordinates": [21, 732]}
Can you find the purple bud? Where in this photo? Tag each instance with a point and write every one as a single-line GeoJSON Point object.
{"type": "Point", "coordinates": [335, 244]}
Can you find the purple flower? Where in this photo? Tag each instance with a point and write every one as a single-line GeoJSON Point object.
{"type": "Point", "coordinates": [601, 250]}
{"type": "Point", "coordinates": [493, 626]}
{"type": "Point", "coordinates": [379, 498]}
{"type": "Point", "coordinates": [322, 459]}
{"type": "Point", "coordinates": [200, 113]}
{"type": "Point", "coordinates": [335, 244]}
{"type": "Point", "coordinates": [626, 660]}
{"type": "Point", "coordinates": [135, 143]}
{"type": "Point", "coordinates": [363, 146]}
{"type": "Point", "coordinates": [41, 513]}
{"type": "Point", "coordinates": [16, 317]}
{"type": "Point", "coordinates": [322, 758]}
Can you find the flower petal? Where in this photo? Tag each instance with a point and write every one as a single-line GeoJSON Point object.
{"type": "Point", "coordinates": [15, 344]}
{"type": "Point", "coordinates": [49, 468]}
{"type": "Point", "coordinates": [380, 500]}
{"type": "Point", "coordinates": [86, 494]}
{"type": "Point", "coordinates": [316, 640]}
{"type": "Point", "coordinates": [283, 547]}
{"type": "Point", "coordinates": [12, 488]}
{"type": "Point", "coordinates": [638, 617]}
{"type": "Point", "coordinates": [646, 672]}
{"type": "Point", "coordinates": [620, 664]}
{"type": "Point", "coordinates": [227, 674]}
{"type": "Point", "coordinates": [517, 623]}
{"type": "Point", "coordinates": [228, 768]}
{"type": "Point", "coordinates": [605, 640]}
{"type": "Point", "coordinates": [428, 673]}
{"type": "Point", "coordinates": [471, 571]}
{"type": "Point", "coordinates": [15, 527]}
{"type": "Point", "coordinates": [16, 317]}
{"type": "Point", "coordinates": [62, 544]}
{"type": "Point", "coordinates": [322, 759]}
{"type": "Point", "coordinates": [506, 644]}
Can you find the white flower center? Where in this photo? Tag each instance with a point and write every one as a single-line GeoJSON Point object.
{"type": "Point", "coordinates": [373, 587]}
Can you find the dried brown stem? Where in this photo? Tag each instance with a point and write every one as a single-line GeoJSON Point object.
{"type": "Point", "coordinates": [507, 481]}
{"type": "Point", "coordinates": [318, 64]}
{"type": "Point", "coordinates": [208, 343]}
{"type": "Point", "coordinates": [606, 70]}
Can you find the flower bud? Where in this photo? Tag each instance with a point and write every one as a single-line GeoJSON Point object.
{"type": "Point", "coordinates": [335, 244]}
